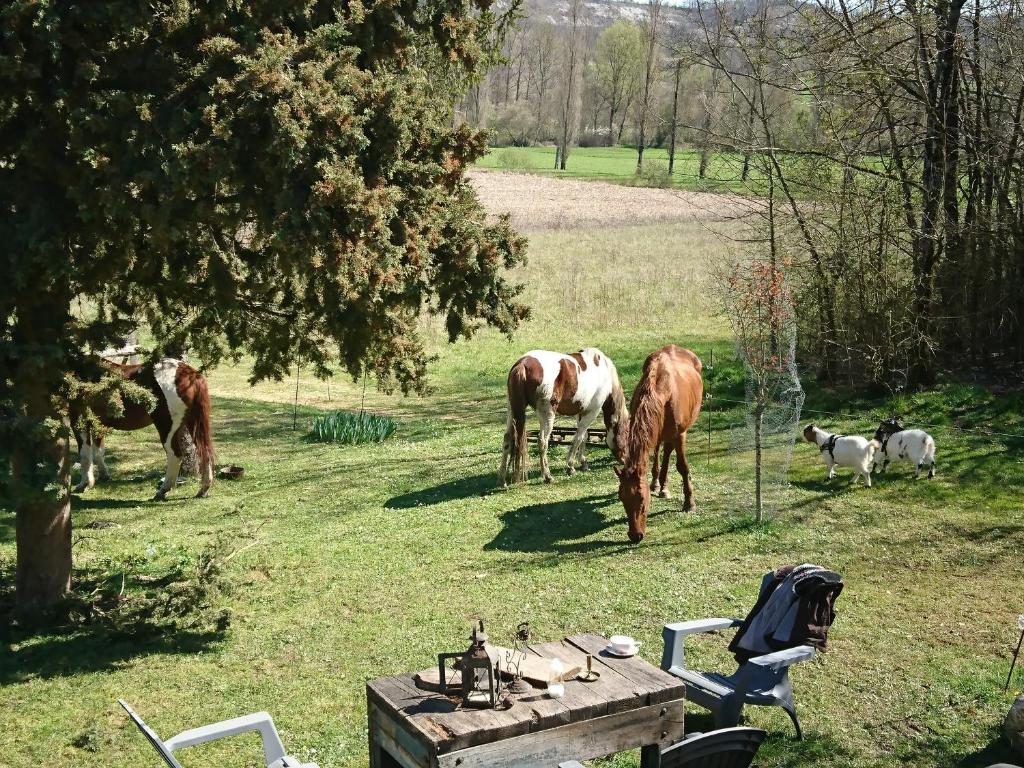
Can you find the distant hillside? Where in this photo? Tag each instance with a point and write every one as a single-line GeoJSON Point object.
{"type": "Point", "coordinates": [602, 12]}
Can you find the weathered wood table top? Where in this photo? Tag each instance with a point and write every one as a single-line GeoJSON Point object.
{"type": "Point", "coordinates": [634, 704]}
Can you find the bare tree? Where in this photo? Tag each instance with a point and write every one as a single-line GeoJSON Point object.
{"type": "Point", "coordinates": [569, 103]}
{"type": "Point", "coordinates": [651, 29]}
{"type": "Point", "coordinates": [677, 71]}
{"type": "Point", "coordinates": [618, 65]}
{"type": "Point", "coordinates": [542, 49]}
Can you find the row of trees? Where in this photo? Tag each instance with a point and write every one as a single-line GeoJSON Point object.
{"type": "Point", "coordinates": [580, 81]}
{"type": "Point", "coordinates": [575, 82]}
{"type": "Point", "coordinates": [898, 203]}
{"type": "Point", "coordinates": [885, 140]}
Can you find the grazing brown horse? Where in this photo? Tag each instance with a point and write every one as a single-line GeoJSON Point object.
{"type": "Point", "coordinates": [665, 404]}
{"type": "Point", "coordinates": [182, 402]}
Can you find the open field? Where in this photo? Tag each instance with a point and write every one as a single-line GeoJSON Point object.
{"type": "Point", "coordinates": [618, 165]}
{"type": "Point", "coordinates": [368, 560]}
{"type": "Point", "coordinates": [538, 203]}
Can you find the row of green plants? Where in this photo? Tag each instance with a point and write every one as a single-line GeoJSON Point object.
{"type": "Point", "coordinates": [353, 428]}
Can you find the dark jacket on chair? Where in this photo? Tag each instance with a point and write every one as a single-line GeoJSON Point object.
{"type": "Point", "coordinates": [801, 614]}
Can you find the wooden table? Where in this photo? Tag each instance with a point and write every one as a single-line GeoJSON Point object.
{"type": "Point", "coordinates": [633, 705]}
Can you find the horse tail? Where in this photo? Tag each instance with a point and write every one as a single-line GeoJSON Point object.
{"type": "Point", "coordinates": [618, 413]}
{"type": "Point", "coordinates": [515, 425]}
{"type": "Point", "coordinates": [618, 395]}
{"type": "Point", "coordinates": [197, 422]}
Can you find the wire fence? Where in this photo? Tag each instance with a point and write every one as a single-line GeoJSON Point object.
{"type": "Point", "coordinates": [872, 418]}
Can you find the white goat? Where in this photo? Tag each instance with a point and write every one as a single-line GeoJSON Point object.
{"type": "Point", "coordinates": [894, 443]}
{"type": "Point", "coordinates": [851, 451]}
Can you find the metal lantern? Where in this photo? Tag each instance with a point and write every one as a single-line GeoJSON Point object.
{"type": "Point", "coordinates": [479, 674]}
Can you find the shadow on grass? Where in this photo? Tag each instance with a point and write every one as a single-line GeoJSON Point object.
{"type": "Point", "coordinates": [838, 486]}
{"type": "Point", "coordinates": [464, 487]}
{"type": "Point", "coordinates": [997, 751]}
{"type": "Point", "coordinates": [559, 526]}
{"type": "Point", "coordinates": [104, 503]}
{"type": "Point", "coordinates": [934, 749]}
{"type": "Point", "coordinates": [58, 653]}
{"type": "Point", "coordinates": [111, 617]}
{"type": "Point", "coordinates": [815, 749]}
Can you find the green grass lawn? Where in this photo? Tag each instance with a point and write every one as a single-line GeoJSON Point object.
{"type": "Point", "coordinates": [368, 560]}
{"type": "Point", "coordinates": [618, 164]}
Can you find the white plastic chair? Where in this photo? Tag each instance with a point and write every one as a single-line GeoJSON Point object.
{"type": "Point", "coordinates": [273, 750]}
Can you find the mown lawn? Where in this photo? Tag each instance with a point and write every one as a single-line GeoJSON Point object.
{"type": "Point", "coordinates": [369, 560]}
{"type": "Point", "coordinates": [618, 164]}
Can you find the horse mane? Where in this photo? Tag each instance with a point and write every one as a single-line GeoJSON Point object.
{"type": "Point", "coordinates": [645, 421]}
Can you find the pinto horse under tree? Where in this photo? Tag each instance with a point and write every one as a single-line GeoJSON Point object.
{"type": "Point", "coordinates": [182, 405]}
{"type": "Point", "coordinates": [665, 404]}
{"type": "Point", "coordinates": [582, 384]}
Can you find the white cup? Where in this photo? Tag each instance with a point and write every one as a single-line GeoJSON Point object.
{"type": "Point", "coordinates": [623, 644]}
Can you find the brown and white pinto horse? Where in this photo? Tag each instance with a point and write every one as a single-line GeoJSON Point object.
{"type": "Point", "coordinates": [182, 402]}
{"type": "Point", "coordinates": [665, 404]}
{"type": "Point", "coordinates": [582, 384]}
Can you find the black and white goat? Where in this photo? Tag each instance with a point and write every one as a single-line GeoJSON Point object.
{"type": "Point", "coordinates": [894, 443]}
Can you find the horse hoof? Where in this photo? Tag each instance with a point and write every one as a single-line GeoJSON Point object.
{"type": "Point", "coordinates": [202, 494]}
{"type": "Point", "coordinates": [159, 497]}
{"type": "Point", "coordinates": [79, 489]}
{"type": "Point", "coordinates": [570, 471]}
{"type": "Point", "coordinates": [689, 506]}
{"type": "Point", "coordinates": [549, 479]}
{"type": "Point", "coordinates": [664, 494]}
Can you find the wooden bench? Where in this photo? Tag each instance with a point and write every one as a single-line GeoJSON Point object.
{"type": "Point", "coordinates": [564, 435]}
{"type": "Point", "coordinates": [634, 704]}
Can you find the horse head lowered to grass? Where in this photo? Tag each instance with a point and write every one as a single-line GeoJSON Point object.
{"type": "Point", "coordinates": [665, 404]}
{"type": "Point", "coordinates": [583, 385]}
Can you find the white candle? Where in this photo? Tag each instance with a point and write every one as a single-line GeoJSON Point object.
{"type": "Point", "coordinates": [555, 687]}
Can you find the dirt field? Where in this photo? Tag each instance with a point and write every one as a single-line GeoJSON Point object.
{"type": "Point", "coordinates": [539, 203]}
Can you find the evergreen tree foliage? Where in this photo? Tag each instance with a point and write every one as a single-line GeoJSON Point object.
{"type": "Point", "coordinates": [279, 179]}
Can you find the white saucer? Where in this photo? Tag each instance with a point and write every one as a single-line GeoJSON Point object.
{"type": "Point", "coordinates": [611, 651]}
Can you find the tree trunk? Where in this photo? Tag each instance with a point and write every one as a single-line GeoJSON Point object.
{"type": "Point", "coordinates": [745, 173]}
{"type": "Point", "coordinates": [654, 11]}
{"type": "Point", "coordinates": [675, 126]}
{"type": "Point", "coordinates": [44, 544]}
{"type": "Point", "coordinates": [758, 505]}
{"type": "Point", "coordinates": [942, 120]}
{"type": "Point", "coordinates": [705, 150]}
{"type": "Point", "coordinates": [43, 512]}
